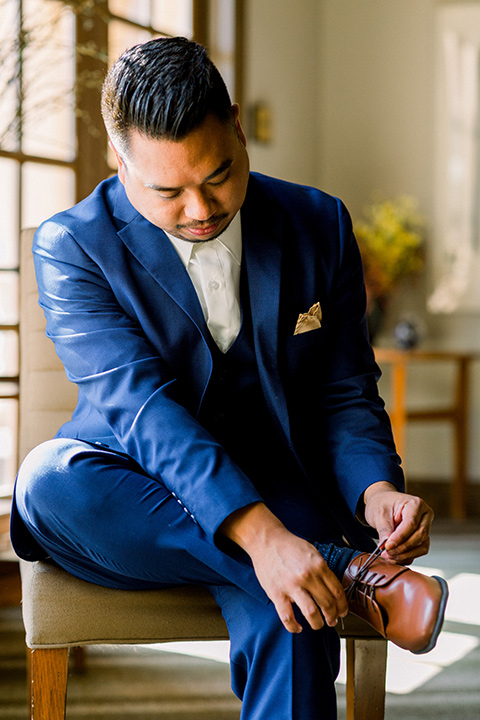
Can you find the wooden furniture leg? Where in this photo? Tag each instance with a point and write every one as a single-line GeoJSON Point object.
{"type": "Point", "coordinates": [460, 418]}
{"type": "Point", "coordinates": [47, 679]}
{"type": "Point", "coordinates": [366, 675]}
{"type": "Point", "coordinates": [398, 413]}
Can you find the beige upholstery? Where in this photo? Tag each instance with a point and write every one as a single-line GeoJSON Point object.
{"type": "Point", "coordinates": [61, 611]}
{"type": "Point", "coordinates": [85, 614]}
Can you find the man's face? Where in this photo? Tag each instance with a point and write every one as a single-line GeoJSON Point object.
{"type": "Point", "coordinates": [192, 188]}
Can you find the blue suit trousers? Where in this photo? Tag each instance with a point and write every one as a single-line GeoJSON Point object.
{"type": "Point", "coordinates": [100, 517]}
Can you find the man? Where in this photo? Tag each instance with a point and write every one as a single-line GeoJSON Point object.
{"type": "Point", "coordinates": [228, 431]}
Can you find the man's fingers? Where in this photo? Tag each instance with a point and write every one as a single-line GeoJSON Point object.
{"type": "Point", "coordinates": [286, 614]}
{"type": "Point", "coordinates": [326, 605]}
{"type": "Point", "coordinates": [403, 522]}
{"type": "Point", "coordinates": [411, 538]}
{"type": "Point", "coordinates": [331, 609]}
{"type": "Point", "coordinates": [406, 553]}
{"type": "Point", "coordinates": [309, 609]}
{"type": "Point", "coordinates": [299, 582]}
{"type": "Point", "coordinates": [334, 602]}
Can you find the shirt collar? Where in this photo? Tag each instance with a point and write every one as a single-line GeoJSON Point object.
{"type": "Point", "coordinates": [231, 239]}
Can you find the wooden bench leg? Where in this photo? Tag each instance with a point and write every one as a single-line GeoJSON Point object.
{"type": "Point", "coordinates": [366, 675]}
{"type": "Point", "coordinates": [47, 681]}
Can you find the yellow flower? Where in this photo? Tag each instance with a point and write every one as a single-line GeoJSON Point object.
{"type": "Point", "coordinates": [391, 242]}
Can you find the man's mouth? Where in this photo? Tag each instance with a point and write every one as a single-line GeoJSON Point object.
{"type": "Point", "coordinates": [211, 226]}
{"type": "Point", "coordinates": [202, 231]}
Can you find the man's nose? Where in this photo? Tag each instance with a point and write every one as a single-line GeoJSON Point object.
{"type": "Point", "coordinates": [200, 206]}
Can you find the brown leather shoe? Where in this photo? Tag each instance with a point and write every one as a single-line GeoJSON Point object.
{"type": "Point", "coordinates": [406, 607]}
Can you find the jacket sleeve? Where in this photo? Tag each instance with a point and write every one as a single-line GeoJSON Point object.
{"type": "Point", "coordinates": [105, 352]}
{"type": "Point", "coordinates": [358, 433]}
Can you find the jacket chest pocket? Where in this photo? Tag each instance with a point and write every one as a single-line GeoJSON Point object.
{"type": "Point", "coordinates": [305, 353]}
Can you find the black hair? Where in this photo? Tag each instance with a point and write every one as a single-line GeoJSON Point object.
{"type": "Point", "coordinates": [164, 88]}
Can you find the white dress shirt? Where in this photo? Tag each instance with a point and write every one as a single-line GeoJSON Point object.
{"type": "Point", "coordinates": [214, 268]}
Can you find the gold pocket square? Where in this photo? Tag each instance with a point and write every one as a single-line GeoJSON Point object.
{"type": "Point", "coordinates": [311, 320]}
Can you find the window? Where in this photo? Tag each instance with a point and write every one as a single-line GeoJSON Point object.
{"type": "Point", "coordinates": [53, 148]}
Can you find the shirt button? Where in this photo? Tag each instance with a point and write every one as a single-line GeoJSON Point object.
{"type": "Point", "coordinates": [213, 285]}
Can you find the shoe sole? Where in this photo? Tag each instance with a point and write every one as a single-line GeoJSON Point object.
{"type": "Point", "coordinates": [441, 615]}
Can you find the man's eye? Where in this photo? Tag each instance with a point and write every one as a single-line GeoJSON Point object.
{"type": "Point", "coordinates": [172, 196]}
{"type": "Point", "coordinates": [221, 180]}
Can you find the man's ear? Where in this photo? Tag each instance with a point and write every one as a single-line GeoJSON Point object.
{"type": "Point", "coordinates": [120, 162]}
{"type": "Point", "coordinates": [238, 125]}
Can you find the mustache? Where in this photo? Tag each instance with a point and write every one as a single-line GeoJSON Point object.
{"type": "Point", "coordinates": [203, 223]}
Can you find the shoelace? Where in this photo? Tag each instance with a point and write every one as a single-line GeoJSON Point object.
{"type": "Point", "coordinates": [362, 572]}
{"type": "Point", "coordinates": [358, 579]}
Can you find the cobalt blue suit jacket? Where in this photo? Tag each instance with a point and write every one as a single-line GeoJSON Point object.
{"type": "Point", "coordinates": [128, 327]}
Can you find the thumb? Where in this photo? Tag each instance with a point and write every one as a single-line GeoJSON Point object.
{"type": "Point", "coordinates": [384, 525]}
{"type": "Point", "coordinates": [386, 533]}
{"type": "Point", "coordinates": [384, 537]}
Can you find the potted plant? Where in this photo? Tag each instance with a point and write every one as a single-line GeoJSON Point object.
{"type": "Point", "coordinates": [391, 242]}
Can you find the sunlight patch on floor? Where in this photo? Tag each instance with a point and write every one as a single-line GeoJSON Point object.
{"type": "Point", "coordinates": [464, 596]}
{"type": "Point", "coordinates": [405, 671]}
{"type": "Point", "coordinates": [209, 650]}
{"type": "Point", "coordinates": [464, 601]}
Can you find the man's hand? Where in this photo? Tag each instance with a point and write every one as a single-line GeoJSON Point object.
{"type": "Point", "coordinates": [402, 520]}
{"type": "Point", "coordinates": [290, 569]}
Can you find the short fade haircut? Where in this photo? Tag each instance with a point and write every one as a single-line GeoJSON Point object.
{"type": "Point", "coordinates": [164, 88]}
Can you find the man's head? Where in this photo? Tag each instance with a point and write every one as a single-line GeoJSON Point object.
{"type": "Point", "coordinates": [164, 89]}
{"type": "Point", "coordinates": [177, 139]}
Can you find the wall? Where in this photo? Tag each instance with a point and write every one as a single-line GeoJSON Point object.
{"type": "Point", "coordinates": [351, 86]}
{"type": "Point", "coordinates": [376, 82]}
{"type": "Point", "coordinates": [282, 71]}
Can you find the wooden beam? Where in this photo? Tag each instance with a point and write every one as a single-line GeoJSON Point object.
{"type": "Point", "coordinates": [91, 65]}
{"type": "Point", "coordinates": [201, 21]}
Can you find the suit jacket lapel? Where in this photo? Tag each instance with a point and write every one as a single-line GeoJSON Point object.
{"type": "Point", "coordinates": [262, 233]}
{"type": "Point", "coordinates": [154, 251]}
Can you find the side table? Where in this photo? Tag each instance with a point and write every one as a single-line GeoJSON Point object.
{"type": "Point", "coordinates": [456, 413]}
